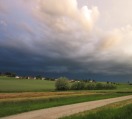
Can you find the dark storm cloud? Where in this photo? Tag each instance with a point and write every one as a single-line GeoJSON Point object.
{"type": "Point", "coordinates": [45, 39]}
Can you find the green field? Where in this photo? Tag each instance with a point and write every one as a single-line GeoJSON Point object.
{"type": "Point", "coordinates": [8, 84]}
{"type": "Point", "coordinates": [24, 85]}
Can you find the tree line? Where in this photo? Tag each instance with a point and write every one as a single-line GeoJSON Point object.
{"type": "Point", "coordinates": [63, 84]}
{"type": "Point", "coordinates": [9, 74]}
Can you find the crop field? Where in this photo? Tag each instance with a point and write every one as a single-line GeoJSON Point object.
{"type": "Point", "coordinates": [41, 95]}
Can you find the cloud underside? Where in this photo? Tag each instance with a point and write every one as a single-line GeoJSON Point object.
{"type": "Point", "coordinates": [65, 38]}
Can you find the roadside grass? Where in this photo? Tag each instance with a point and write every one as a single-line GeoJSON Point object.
{"type": "Point", "coordinates": [8, 84]}
{"type": "Point", "coordinates": [18, 106]}
{"type": "Point", "coordinates": [120, 110]}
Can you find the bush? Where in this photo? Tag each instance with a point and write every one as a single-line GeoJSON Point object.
{"type": "Point", "coordinates": [62, 84]}
{"type": "Point", "coordinates": [110, 86]}
{"type": "Point", "coordinates": [78, 86]}
{"type": "Point", "coordinates": [101, 86]}
{"type": "Point", "coordinates": [91, 86]}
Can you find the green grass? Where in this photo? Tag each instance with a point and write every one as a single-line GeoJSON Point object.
{"type": "Point", "coordinates": [124, 87]}
{"type": "Point", "coordinates": [107, 112]}
{"type": "Point", "coordinates": [14, 107]}
{"type": "Point", "coordinates": [24, 85]}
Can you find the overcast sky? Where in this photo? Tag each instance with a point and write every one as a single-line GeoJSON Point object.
{"type": "Point", "coordinates": [74, 38]}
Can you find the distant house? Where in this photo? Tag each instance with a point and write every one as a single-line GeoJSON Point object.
{"type": "Point", "coordinates": [34, 78]}
{"type": "Point", "coordinates": [43, 78]}
{"type": "Point", "coordinates": [56, 79]}
{"type": "Point", "coordinates": [72, 81]}
{"type": "Point", "coordinates": [17, 77]}
{"type": "Point", "coordinates": [29, 77]}
{"type": "Point", "coordinates": [77, 81]}
{"type": "Point", "coordinates": [91, 81]}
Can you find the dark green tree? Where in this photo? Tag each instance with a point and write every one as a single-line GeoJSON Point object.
{"type": "Point", "coordinates": [62, 84]}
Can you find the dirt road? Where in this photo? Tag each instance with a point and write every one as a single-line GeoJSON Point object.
{"type": "Point", "coordinates": [56, 112]}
